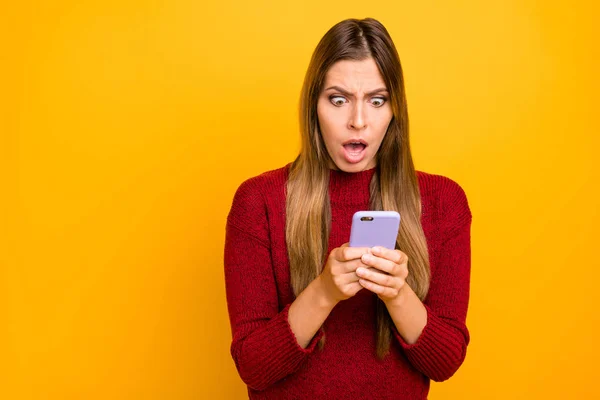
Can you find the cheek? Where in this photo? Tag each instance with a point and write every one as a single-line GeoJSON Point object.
{"type": "Point", "coordinates": [330, 115]}
{"type": "Point", "coordinates": [327, 122]}
{"type": "Point", "coordinates": [382, 126]}
{"type": "Point", "coordinates": [323, 125]}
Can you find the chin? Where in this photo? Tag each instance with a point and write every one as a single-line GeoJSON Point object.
{"type": "Point", "coordinates": [345, 166]}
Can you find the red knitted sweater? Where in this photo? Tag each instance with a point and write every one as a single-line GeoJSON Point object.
{"type": "Point", "coordinates": [264, 348]}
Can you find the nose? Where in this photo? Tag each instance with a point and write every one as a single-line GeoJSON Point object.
{"type": "Point", "coordinates": [357, 118]}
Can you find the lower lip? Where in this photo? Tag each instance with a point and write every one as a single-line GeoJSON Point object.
{"type": "Point", "coordinates": [354, 157]}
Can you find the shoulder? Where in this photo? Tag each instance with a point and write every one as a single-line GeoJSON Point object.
{"type": "Point", "coordinates": [262, 185]}
{"type": "Point", "coordinates": [439, 185]}
{"type": "Point", "coordinates": [252, 195]}
{"type": "Point", "coordinates": [446, 198]}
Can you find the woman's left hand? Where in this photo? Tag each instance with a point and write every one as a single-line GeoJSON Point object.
{"type": "Point", "coordinates": [387, 275]}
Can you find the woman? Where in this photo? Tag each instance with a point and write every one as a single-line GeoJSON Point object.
{"type": "Point", "coordinates": [311, 317]}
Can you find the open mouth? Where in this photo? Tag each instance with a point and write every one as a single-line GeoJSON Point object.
{"type": "Point", "coordinates": [356, 147]}
{"type": "Point", "coordinates": [354, 150]}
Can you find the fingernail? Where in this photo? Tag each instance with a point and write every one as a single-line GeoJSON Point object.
{"type": "Point", "coordinates": [367, 257]}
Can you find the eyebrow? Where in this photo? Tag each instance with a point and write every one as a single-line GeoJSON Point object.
{"type": "Point", "coordinates": [346, 93]}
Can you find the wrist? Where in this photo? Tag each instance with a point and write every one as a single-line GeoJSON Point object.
{"type": "Point", "coordinates": [321, 294]}
{"type": "Point", "coordinates": [400, 299]}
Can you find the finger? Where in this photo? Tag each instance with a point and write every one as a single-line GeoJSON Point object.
{"type": "Point", "coordinates": [380, 278]}
{"type": "Point", "coordinates": [346, 253]}
{"type": "Point", "coordinates": [381, 291]}
{"type": "Point", "coordinates": [353, 265]}
{"type": "Point", "coordinates": [381, 264]}
{"type": "Point", "coordinates": [345, 267]}
{"type": "Point", "coordinates": [354, 288]}
{"type": "Point", "coordinates": [393, 255]}
{"type": "Point", "coordinates": [348, 278]}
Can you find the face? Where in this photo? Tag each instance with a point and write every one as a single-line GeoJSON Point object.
{"type": "Point", "coordinates": [354, 114]}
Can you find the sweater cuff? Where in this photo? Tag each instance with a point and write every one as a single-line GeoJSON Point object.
{"type": "Point", "coordinates": [438, 351]}
{"type": "Point", "coordinates": [423, 337]}
{"type": "Point", "coordinates": [313, 342]}
{"type": "Point", "coordinates": [272, 352]}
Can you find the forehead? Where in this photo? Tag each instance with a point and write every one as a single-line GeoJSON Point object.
{"type": "Point", "coordinates": [355, 74]}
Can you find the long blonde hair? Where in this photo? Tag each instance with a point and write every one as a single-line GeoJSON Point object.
{"type": "Point", "coordinates": [394, 185]}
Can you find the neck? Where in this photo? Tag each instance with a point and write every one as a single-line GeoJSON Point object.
{"type": "Point", "coordinates": [350, 187]}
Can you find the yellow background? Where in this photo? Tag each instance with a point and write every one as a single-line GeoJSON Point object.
{"type": "Point", "coordinates": [126, 127]}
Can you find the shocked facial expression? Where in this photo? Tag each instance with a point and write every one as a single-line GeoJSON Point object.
{"type": "Point", "coordinates": [354, 114]}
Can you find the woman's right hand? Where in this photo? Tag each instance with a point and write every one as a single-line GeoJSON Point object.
{"type": "Point", "coordinates": [339, 279]}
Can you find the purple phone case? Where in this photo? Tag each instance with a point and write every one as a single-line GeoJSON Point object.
{"type": "Point", "coordinates": [374, 228]}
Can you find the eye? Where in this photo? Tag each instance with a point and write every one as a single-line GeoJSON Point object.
{"type": "Point", "coordinates": [378, 101]}
{"type": "Point", "coordinates": [337, 101]}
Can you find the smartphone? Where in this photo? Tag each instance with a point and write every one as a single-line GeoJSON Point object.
{"type": "Point", "coordinates": [374, 228]}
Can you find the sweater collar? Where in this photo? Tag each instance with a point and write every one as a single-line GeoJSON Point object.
{"type": "Point", "coordinates": [351, 188]}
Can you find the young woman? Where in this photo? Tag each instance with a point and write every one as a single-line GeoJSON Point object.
{"type": "Point", "coordinates": [312, 318]}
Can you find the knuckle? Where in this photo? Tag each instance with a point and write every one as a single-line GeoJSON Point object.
{"type": "Point", "coordinates": [335, 253]}
{"type": "Point", "coordinates": [337, 267]}
{"type": "Point", "coordinates": [344, 253]}
{"type": "Point", "coordinates": [402, 270]}
{"type": "Point", "coordinates": [389, 281]}
{"type": "Point", "coordinates": [399, 255]}
{"type": "Point", "coordinates": [332, 257]}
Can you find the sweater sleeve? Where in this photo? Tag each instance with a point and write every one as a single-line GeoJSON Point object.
{"type": "Point", "coordinates": [441, 348]}
{"type": "Point", "coordinates": [263, 347]}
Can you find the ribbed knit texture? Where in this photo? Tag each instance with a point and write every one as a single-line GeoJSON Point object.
{"type": "Point", "coordinates": [264, 348]}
